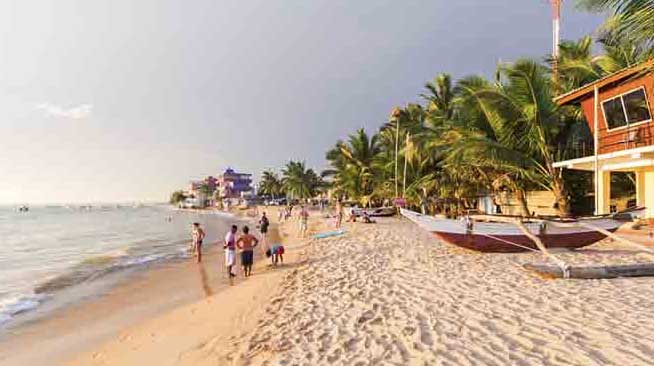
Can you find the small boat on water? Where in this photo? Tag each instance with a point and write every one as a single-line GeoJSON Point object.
{"type": "Point", "coordinates": [504, 237]}
{"type": "Point", "coordinates": [375, 212]}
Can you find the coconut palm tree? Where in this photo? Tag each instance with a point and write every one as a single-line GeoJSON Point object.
{"type": "Point", "coordinates": [440, 98]}
{"type": "Point", "coordinates": [632, 18]}
{"type": "Point", "coordinates": [527, 124]}
{"type": "Point", "coordinates": [177, 197]}
{"type": "Point", "coordinates": [270, 184]}
{"type": "Point", "coordinates": [353, 165]}
{"type": "Point", "coordinates": [298, 182]}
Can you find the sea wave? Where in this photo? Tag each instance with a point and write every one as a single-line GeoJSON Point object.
{"type": "Point", "coordinates": [18, 303]}
{"type": "Point", "coordinates": [95, 267]}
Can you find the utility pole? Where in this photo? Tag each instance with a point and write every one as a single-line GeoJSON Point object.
{"type": "Point", "coordinates": [396, 116]}
{"type": "Point", "coordinates": [406, 153]}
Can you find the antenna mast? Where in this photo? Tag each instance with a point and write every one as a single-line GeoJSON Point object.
{"type": "Point", "coordinates": [556, 37]}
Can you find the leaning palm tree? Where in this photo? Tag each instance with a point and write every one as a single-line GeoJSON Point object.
{"type": "Point", "coordinates": [299, 182]}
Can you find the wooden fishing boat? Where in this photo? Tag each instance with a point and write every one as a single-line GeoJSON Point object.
{"type": "Point", "coordinates": [504, 237]}
{"type": "Point", "coordinates": [375, 212]}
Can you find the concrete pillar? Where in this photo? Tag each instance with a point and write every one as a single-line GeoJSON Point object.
{"type": "Point", "coordinates": [648, 192]}
{"type": "Point", "coordinates": [640, 188]}
{"type": "Point", "coordinates": [603, 194]}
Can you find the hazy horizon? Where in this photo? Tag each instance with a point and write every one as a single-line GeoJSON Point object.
{"type": "Point", "coordinates": [126, 101]}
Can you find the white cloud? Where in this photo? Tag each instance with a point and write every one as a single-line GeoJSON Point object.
{"type": "Point", "coordinates": [77, 112]}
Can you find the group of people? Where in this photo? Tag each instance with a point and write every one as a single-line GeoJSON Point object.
{"type": "Point", "coordinates": [351, 215]}
{"type": "Point", "coordinates": [286, 213]}
{"type": "Point", "coordinates": [244, 244]}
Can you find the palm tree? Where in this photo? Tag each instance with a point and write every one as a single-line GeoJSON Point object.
{"type": "Point", "coordinates": [298, 182]}
{"type": "Point", "coordinates": [632, 18]}
{"type": "Point", "coordinates": [353, 165]}
{"type": "Point", "coordinates": [177, 197]}
{"type": "Point", "coordinates": [526, 124]}
{"type": "Point", "coordinates": [621, 52]}
{"type": "Point", "coordinates": [270, 184]}
{"type": "Point", "coordinates": [576, 64]}
{"type": "Point", "coordinates": [440, 99]}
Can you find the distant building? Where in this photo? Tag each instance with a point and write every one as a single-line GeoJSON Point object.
{"type": "Point", "coordinates": [233, 184]}
{"type": "Point", "coordinates": [211, 183]}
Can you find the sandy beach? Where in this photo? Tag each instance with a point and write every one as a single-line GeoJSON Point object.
{"type": "Point", "coordinates": [389, 294]}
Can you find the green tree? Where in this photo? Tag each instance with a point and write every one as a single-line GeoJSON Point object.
{"type": "Point", "coordinates": [352, 165]}
{"type": "Point", "coordinates": [270, 184]}
{"type": "Point", "coordinates": [632, 18]}
{"type": "Point", "coordinates": [177, 197]}
{"type": "Point", "coordinates": [299, 182]}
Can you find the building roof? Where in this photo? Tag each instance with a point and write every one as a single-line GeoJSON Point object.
{"type": "Point", "coordinates": [617, 76]}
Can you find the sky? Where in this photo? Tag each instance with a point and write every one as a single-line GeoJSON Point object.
{"type": "Point", "coordinates": [123, 100]}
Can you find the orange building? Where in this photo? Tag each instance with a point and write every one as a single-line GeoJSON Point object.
{"type": "Point", "coordinates": [618, 109]}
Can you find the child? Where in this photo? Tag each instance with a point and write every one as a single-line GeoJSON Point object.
{"type": "Point", "coordinates": [276, 254]}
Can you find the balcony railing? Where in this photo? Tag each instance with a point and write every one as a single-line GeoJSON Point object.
{"type": "Point", "coordinates": [625, 138]}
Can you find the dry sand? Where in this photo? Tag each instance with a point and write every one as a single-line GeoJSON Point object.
{"type": "Point", "coordinates": [389, 294]}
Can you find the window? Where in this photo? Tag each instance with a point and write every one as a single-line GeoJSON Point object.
{"type": "Point", "coordinates": [626, 109]}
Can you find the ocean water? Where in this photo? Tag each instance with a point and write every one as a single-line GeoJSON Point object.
{"type": "Point", "coordinates": [50, 251]}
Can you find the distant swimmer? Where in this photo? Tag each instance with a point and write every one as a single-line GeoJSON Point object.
{"type": "Point", "coordinates": [198, 236]}
{"type": "Point", "coordinates": [246, 244]}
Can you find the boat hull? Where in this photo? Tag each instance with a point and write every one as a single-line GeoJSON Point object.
{"type": "Point", "coordinates": [376, 212]}
{"type": "Point", "coordinates": [507, 237]}
{"type": "Point", "coordinates": [501, 243]}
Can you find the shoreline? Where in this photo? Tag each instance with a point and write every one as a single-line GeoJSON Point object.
{"type": "Point", "coordinates": [63, 326]}
{"type": "Point", "coordinates": [382, 293]}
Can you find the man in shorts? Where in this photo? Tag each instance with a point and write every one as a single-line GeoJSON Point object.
{"type": "Point", "coordinates": [198, 235]}
{"type": "Point", "coordinates": [304, 219]}
{"type": "Point", "coordinates": [246, 244]}
{"type": "Point", "coordinates": [263, 227]}
{"type": "Point", "coordinates": [230, 250]}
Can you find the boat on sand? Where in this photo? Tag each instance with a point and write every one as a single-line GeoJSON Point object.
{"type": "Point", "coordinates": [505, 237]}
{"type": "Point", "coordinates": [375, 212]}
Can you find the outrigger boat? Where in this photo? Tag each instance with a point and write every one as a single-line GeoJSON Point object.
{"type": "Point", "coordinates": [375, 212]}
{"type": "Point", "coordinates": [505, 237]}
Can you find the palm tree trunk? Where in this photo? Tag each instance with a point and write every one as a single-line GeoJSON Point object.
{"type": "Point", "coordinates": [521, 196]}
{"type": "Point", "coordinates": [561, 196]}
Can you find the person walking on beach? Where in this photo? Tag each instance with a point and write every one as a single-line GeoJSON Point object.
{"type": "Point", "coordinates": [339, 214]}
{"type": "Point", "coordinates": [263, 227]}
{"type": "Point", "coordinates": [304, 219]}
{"type": "Point", "coordinates": [198, 235]}
{"type": "Point", "coordinates": [230, 251]}
{"type": "Point", "coordinates": [246, 244]}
